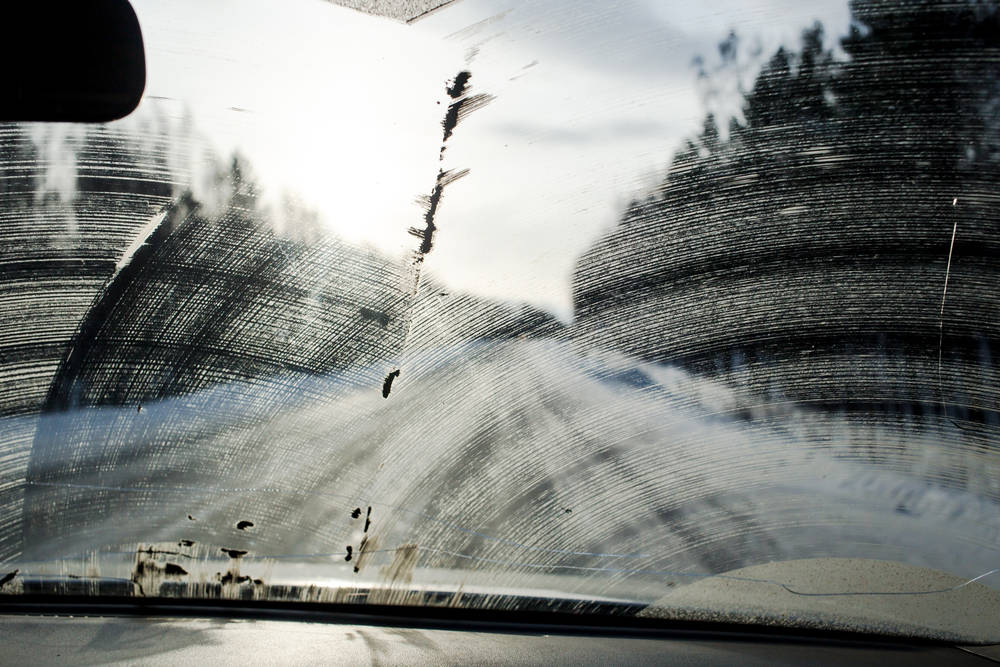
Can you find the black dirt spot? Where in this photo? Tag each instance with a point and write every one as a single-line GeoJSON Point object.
{"type": "Point", "coordinates": [7, 578]}
{"type": "Point", "coordinates": [387, 385]}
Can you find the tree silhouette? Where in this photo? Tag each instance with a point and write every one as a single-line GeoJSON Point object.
{"type": "Point", "coordinates": [805, 254]}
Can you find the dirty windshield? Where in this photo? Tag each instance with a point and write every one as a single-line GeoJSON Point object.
{"type": "Point", "coordinates": [676, 309]}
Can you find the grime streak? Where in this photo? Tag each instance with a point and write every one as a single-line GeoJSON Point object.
{"type": "Point", "coordinates": [462, 105]}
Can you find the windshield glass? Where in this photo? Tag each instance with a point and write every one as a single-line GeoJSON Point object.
{"type": "Point", "coordinates": [680, 309]}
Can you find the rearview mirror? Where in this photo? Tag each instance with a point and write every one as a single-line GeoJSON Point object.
{"type": "Point", "coordinates": [70, 61]}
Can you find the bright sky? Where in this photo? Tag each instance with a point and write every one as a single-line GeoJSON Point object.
{"type": "Point", "coordinates": [343, 109]}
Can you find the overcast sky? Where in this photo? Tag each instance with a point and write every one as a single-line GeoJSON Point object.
{"type": "Point", "coordinates": [592, 98]}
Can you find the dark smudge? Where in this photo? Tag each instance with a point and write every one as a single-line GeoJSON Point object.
{"type": "Point", "coordinates": [458, 84]}
{"type": "Point", "coordinates": [387, 385]}
{"type": "Point", "coordinates": [243, 525]}
{"type": "Point", "coordinates": [382, 319]}
{"type": "Point", "coordinates": [461, 107]}
{"type": "Point", "coordinates": [7, 578]}
{"type": "Point", "coordinates": [361, 552]}
{"type": "Point", "coordinates": [233, 553]}
{"type": "Point", "coordinates": [444, 179]}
